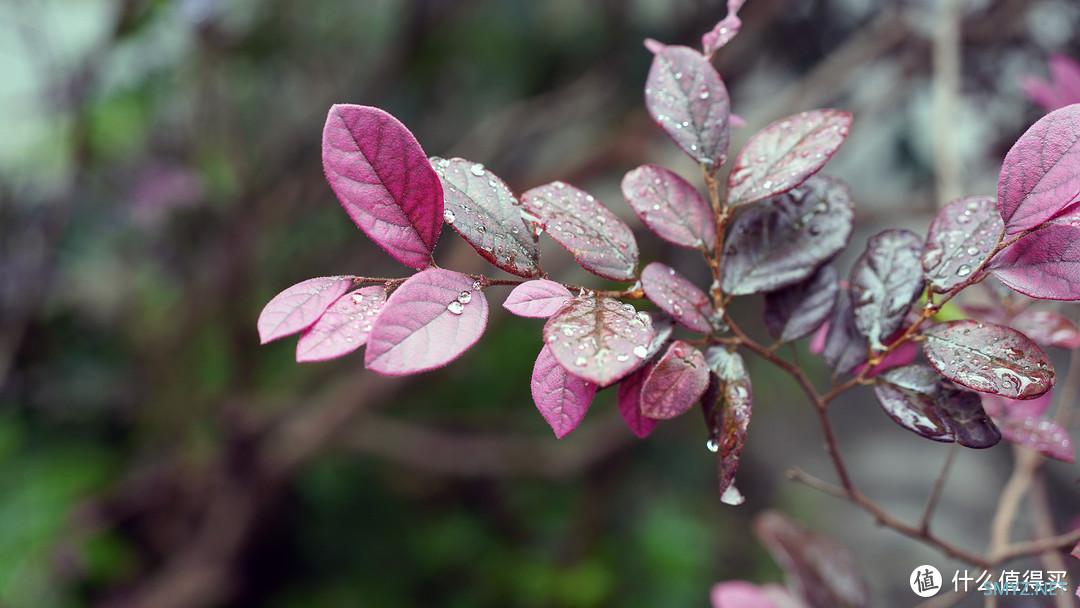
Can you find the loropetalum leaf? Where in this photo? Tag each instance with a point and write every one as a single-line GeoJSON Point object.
{"type": "Point", "coordinates": [561, 397]}
{"type": "Point", "coordinates": [817, 569]}
{"type": "Point", "coordinates": [678, 297]}
{"type": "Point", "coordinates": [599, 241]}
{"type": "Point", "coordinates": [629, 402]}
{"type": "Point", "coordinates": [960, 240]}
{"type": "Point", "coordinates": [773, 245]}
{"type": "Point", "coordinates": [481, 208]}
{"type": "Point", "coordinates": [845, 347]}
{"type": "Point", "coordinates": [599, 339]}
{"type": "Point", "coordinates": [1028, 427]}
{"type": "Point", "coordinates": [344, 327]}
{"type": "Point", "coordinates": [427, 322]}
{"type": "Point", "coordinates": [989, 358]}
{"type": "Point", "coordinates": [1038, 176]}
{"type": "Point", "coordinates": [919, 400]}
{"type": "Point", "coordinates": [1047, 328]}
{"type": "Point", "coordinates": [785, 153]}
{"type": "Point", "coordinates": [538, 299]}
{"type": "Point", "coordinates": [797, 310]}
{"type": "Point", "coordinates": [1044, 264]}
{"type": "Point", "coordinates": [686, 97]}
{"type": "Point", "coordinates": [725, 30]}
{"type": "Point", "coordinates": [670, 206]}
{"type": "Point", "coordinates": [299, 306]}
{"type": "Point", "coordinates": [739, 594]}
{"type": "Point", "coordinates": [675, 383]}
{"type": "Point", "coordinates": [383, 179]}
{"type": "Point", "coordinates": [885, 280]}
{"type": "Point", "coordinates": [735, 407]}
{"type": "Point", "coordinates": [901, 355]}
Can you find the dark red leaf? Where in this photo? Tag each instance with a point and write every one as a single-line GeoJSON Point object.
{"type": "Point", "coordinates": [670, 206]}
{"type": "Point", "coordinates": [629, 402]}
{"type": "Point", "coordinates": [731, 416]}
{"type": "Point", "coordinates": [678, 297]}
{"type": "Point", "coordinates": [885, 281]}
{"type": "Point", "coordinates": [687, 98]}
{"type": "Point", "coordinates": [989, 358]}
{"type": "Point", "coordinates": [960, 241]}
{"type": "Point", "coordinates": [599, 339]}
{"type": "Point", "coordinates": [797, 310]}
{"type": "Point", "coordinates": [1044, 264]}
{"type": "Point", "coordinates": [563, 399]}
{"type": "Point", "coordinates": [676, 382]}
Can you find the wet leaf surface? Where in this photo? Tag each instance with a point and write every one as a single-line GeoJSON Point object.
{"type": "Point", "coordinates": [1038, 176]}
{"type": "Point", "coordinates": [1029, 428]}
{"type": "Point", "coordinates": [1044, 264]}
{"type": "Point", "coordinates": [629, 402]}
{"type": "Point", "coordinates": [783, 241]}
{"type": "Point", "coordinates": [885, 280]}
{"type": "Point", "coordinates": [845, 347]}
{"type": "Point", "coordinates": [344, 327]}
{"type": "Point", "coordinates": [563, 399]}
{"type": "Point", "coordinates": [797, 310]}
{"type": "Point", "coordinates": [538, 299]}
{"type": "Point", "coordinates": [920, 400]}
{"type": "Point", "coordinates": [678, 297]}
{"type": "Point", "coordinates": [686, 97]}
{"type": "Point", "coordinates": [599, 339]}
{"type": "Point", "coordinates": [731, 415]}
{"type": "Point", "coordinates": [600, 242]}
{"type": "Point", "coordinates": [300, 306]}
{"type": "Point", "coordinates": [670, 207]}
{"type": "Point", "coordinates": [960, 240]}
{"type": "Point", "coordinates": [989, 358]}
{"type": "Point", "coordinates": [676, 382]}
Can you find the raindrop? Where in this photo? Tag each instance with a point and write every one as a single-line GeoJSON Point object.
{"type": "Point", "coordinates": [581, 361]}
{"type": "Point", "coordinates": [465, 297]}
{"type": "Point", "coordinates": [448, 216]}
{"type": "Point", "coordinates": [455, 307]}
{"type": "Point", "coordinates": [963, 271]}
{"type": "Point", "coordinates": [641, 352]}
{"type": "Point", "coordinates": [712, 445]}
{"type": "Point", "coordinates": [477, 169]}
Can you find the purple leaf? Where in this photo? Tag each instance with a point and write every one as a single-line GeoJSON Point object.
{"type": "Point", "coordinates": [797, 310]}
{"type": "Point", "coordinates": [678, 297]}
{"type": "Point", "coordinates": [901, 355]}
{"type": "Point", "coordinates": [1038, 176]}
{"type": "Point", "coordinates": [845, 348]}
{"type": "Point", "coordinates": [1047, 328]}
{"type": "Point", "coordinates": [989, 358]}
{"type": "Point", "coordinates": [686, 97]}
{"type": "Point", "coordinates": [885, 281]}
{"type": "Point", "coordinates": [599, 241]}
{"type": "Point", "coordinates": [960, 240]}
{"type": "Point", "coordinates": [735, 407]}
{"type": "Point", "coordinates": [670, 206]}
{"type": "Point", "coordinates": [299, 306]}
{"type": "Point", "coordinates": [629, 401]}
{"type": "Point", "coordinates": [725, 30]}
{"type": "Point", "coordinates": [781, 243]}
{"type": "Point", "coordinates": [481, 208]}
{"type": "Point", "coordinates": [562, 398]}
{"type": "Point", "coordinates": [382, 177]}
{"type": "Point", "coordinates": [675, 384]}
{"type": "Point", "coordinates": [599, 339]}
{"type": "Point", "coordinates": [785, 153]}
{"type": "Point", "coordinates": [344, 327]}
{"type": "Point", "coordinates": [1026, 426]}
{"type": "Point", "coordinates": [538, 299]}
{"type": "Point", "coordinates": [739, 594]}
{"type": "Point", "coordinates": [998, 406]}
{"type": "Point", "coordinates": [920, 400]}
{"type": "Point", "coordinates": [430, 320]}
{"type": "Point", "coordinates": [1044, 264]}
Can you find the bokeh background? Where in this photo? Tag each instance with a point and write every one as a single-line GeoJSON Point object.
{"type": "Point", "coordinates": [160, 180]}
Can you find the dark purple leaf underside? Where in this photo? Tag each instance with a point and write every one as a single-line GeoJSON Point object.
{"type": "Point", "coordinates": [960, 241]}
{"type": "Point", "coordinates": [797, 310]}
{"type": "Point", "coordinates": [562, 398]}
{"type": "Point", "coordinates": [845, 348]}
{"type": "Point", "coordinates": [885, 280]}
{"type": "Point", "coordinates": [599, 339]}
{"type": "Point", "coordinates": [675, 383]}
{"type": "Point", "coordinates": [599, 241]}
{"type": "Point", "coordinates": [1044, 264]}
{"type": "Point", "coordinates": [629, 402]}
{"type": "Point", "coordinates": [686, 97]}
{"type": "Point", "coordinates": [678, 297]}
{"type": "Point", "coordinates": [785, 153]}
{"type": "Point", "coordinates": [989, 358]}
{"type": "Point", "coordinates": [382, 177]}
{"type": "Point", "coordinates": [344, 327]}
{"type": "Point", "coordinates": [670, 206]}
{"type": "Point", "coordinates": [1030, 429]}
{"type": "Point", "coordinates": [781, 242]}
{"type": "Point", "coordinates": [538, 299]}
{"type": "Point", "coordinates": [736, 403]}
{"type": "Point", "coordinates": [1038, 177]}
{"type": "Point", "coordinates": [300, 306]}
{"type": "Point", "coordinates": [427, 322]}
{"type": "Point", "coordinates": [918, 399]}
{"type": "Point", "coordinates": [481, 208]}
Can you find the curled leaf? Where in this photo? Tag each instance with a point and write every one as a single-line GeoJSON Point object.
{"type": "Point", "coordinates": [300, 306]}
{"type": "Point", "coordinates": [670, 206]}
{"type": "Point", "coordinates": [629, 402]}
{"type": "Point", "coordinates": [735, 407]}
{"type": "Point", "coordinates": [989, 358]}
{"type": "Point", "coordinates": [599, 339]}
{"type": "Point", "coordinates": [797, 310]}
{"type": "Point", "coordinates": [344, 327]}
{"type": "Point", "coordinates": [675, 384]}
{"type": "Point", "coordinates": [1044, 264]}
{"type": "Point", "coordinates": [960, 240]}
{"type": "Point", "coordinates": [885, 281]}
{"type": "Point", "coordinates": [686, 97]}
{"type": "Point", "coordinates": [538, 299]}
{"type": "Point", "coordinates": [382, 177]}
{"type": "Point", "coordinates": [918, 399]}
{"type": "Point", "coordinates": [678, 297]}
{"type": "Point", "coordinates": [562, 398]}
{"type": "Point", "coordinates": [430, 320]}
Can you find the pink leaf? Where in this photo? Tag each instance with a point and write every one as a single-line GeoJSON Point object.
{"type": "Point", "coordinates": [1021, 425]}
{"type": "Point", "coordinates": [735, 121]}
{"type": "Point", "coordinates": [629, 401]}
{"type": "Point", "coordinates": [998, 406]}
{"type": "Point", "coordinates": [1063, 88]}
{"type": "Point", "coordinates": [429, 321]}
{"type": "Point", "coordinates": [1038, 177]}
{"type": "Point", "coordinates": [561, 397]}
{"type": "Point", "coordinates": [676, 383]}
{"type": "Point", "coordinates": [382, 177]}
{"type": "Point", "coordinates": [1047, 328]}
{"type": "Point", "coordinates": [686, 97]}
{"type": "Point", "coordinates": [538, 299]}
{"type": "Point", "coordinates": [960, 240]}
{"type": "Point", "coordinates": [299, 306]}
{"type": "Point", "coordinates": [901, 355]}
{"type": "Point", "coordinates": [989, 358]}
{"type": "Point", "coordinates": [481, 208]}
{"type": "Point", "coordinates": [739, 594]}
{"type": "Point", "coordinates": [721, 34]}
{"type": "Point", "coordinates": [344, 327]}
{"type": "Point", "coordinates": [599, 241]}
{"type": "Point", "coordinates": [599, 339]}
{"type": "Point", "coordinates": [670, 206]}
{"type": "Point", "coordinates": [678, 297]}
{"type": "Point", "coordinates": [784, 154]}
{"type": "Point", "coordinates": [1044, 264]}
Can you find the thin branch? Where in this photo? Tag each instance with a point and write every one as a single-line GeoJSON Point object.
{"type": "Point", "coordinates": [935, 493]}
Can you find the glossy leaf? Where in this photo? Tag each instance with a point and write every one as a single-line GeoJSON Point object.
{"type": "Point", "coordinates": [344, 327]}
{"type": "Point", "coordinates": [918, 399]}
{"type": "Point", "coordinates": [481, 208]}
{"type": "Point", "coordinates": [427, 322]}
{"type": "Point", "coordinates": [1047, 328]}
{"type": "Point", "coordinates": [670, 206]}
{"type": "Point", "coordinates": [1044, 264]}
{"type": "Point", "coordinates": [1028, 427]}
{"type": "Point", "coordinates": [797, 310]}
{"type": "Point", "coordinates": [300, 306]}
{"type": "Point", "coordinates": [675, 383]}
{"type": "Point", "coordinates": [382, 177]}
{"type": "Point", "coordinates": [739, 594]}
{"type": "Point", "coordinates": [960, 240]}
{"type": "Point", "coordinates": [678, 297]}
{"type": "Point", "coordinates": [538, 299]}
{"type": "Point", "coordinates": [735, 407]}
{"type": "Point", "coordinates": [989, 358]}
{"type": "Point", "coordinates": [562, 398]}
{"type": "Point", "coordinates": [725, 30]}
{"type": "Point", "coordinates": [686, 97]}
{"type": "Point", "coordinates": [784, 154]}
{"type": "Point", "coordinates": [1038, 176]}
{"type": "Point", "coordinates": [845, 347]}
{"type": "Point", "coordinates": [781, 243]}
{"type": "Point", "coordinates": [599, 339]}
{"type": "Point", "coordinates": [629, 402]}
{"type": "Point", "coordinates": [599, 241]}
{"type": "Point", "coordinates": [885, 280]}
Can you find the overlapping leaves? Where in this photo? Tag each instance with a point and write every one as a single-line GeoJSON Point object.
{"type": "Point", "coordinates": [917, 398]}
{"type": "Point", "coordinates": [675, 383]}
{"type": "Point", "coordinates": [599, 338]}
{"type": "Point", "coordinates": [678, 297]}
{"type": "Point", "coordinates": [989, 358]}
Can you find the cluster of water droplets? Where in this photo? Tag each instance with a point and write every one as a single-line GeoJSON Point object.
{"type": "Point", "coordinates": [616, 332]}
{"type": "Point", "coordinates": [685, 107]}
{"type": "Point", "coordinates": [959, 246]}
{"type": "Point", "coordinates": [778, 163]}
{"type": "Point", "coordinates": [579, 221]}
{"type": "Point", "coordinates": [457, 305]}
{"type": "Point", "coordinates": [989, 359]}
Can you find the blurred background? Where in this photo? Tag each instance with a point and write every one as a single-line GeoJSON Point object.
{"type": "Point", "coordinates": [160, 180]}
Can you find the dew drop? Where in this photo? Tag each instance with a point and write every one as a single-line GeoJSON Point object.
{"type": "Point", "coordinates": [963, 271]}
{"type": "Point", "coordinates": [477, 169]}
{"type": "Point", "coordinates": [581, 361]}
{"type": "Point", "coordinates": [448, 216]}
{"type": "Point", "coordinates": [465, 297]}
{"type": "Point", "coordinates": [712, 445]}
{"type": "Point", "coordinates": [455, 307]}
{"type": "Point", "coordinates": [641, 352]}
